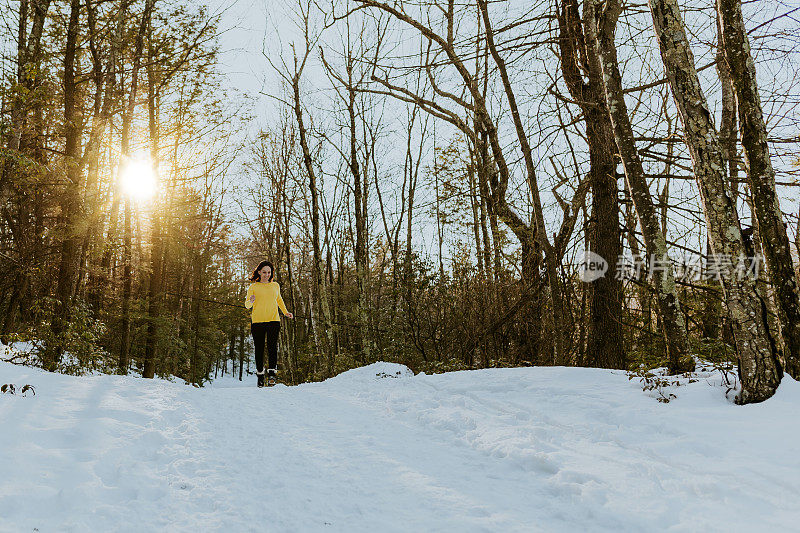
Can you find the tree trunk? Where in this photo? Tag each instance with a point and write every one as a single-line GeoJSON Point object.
{"type": "Point", "coordinates": [127, 119]}
{"type": "Point", "coordinates": [241, 351]}
{"type": "Point", "coordinates": [155, 289]}
{"type": "Point", "coordinates": [99, 279]}
{"type": "Point", "coordinates": [125, 333]}
{"type": "Point", "coordinates": [487, 209]}
{"type": "Point", "coordinates": [604, 343]}
{"type": "Point", "coordinates": [601, 43]}
{"type": "Point", "coordinates": [360, 212]}
{"type": "Point", "coordinates": [70, 196]}
{"type": "Point", "coordinates": [29, 48]}
{"type": "Point", "coordinates": [532, 239]}
{"type": "Point", "coordinates": [197, 287]}
{"type": "Point", "coordinates": [290, 281]}
{"type": "Point", "coordinates": [761, 178]}
{"type": "Point", "coordinates": [473, 204]}
{"type": "Point", "coordinates": [759, 368]}
{"type": "Point", "coordinates": [319, 284]}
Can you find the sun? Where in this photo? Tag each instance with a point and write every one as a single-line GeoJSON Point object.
{"type": "Point", "coordinates": [138, 180]}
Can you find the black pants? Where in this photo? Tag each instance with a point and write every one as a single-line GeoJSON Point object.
{"type": "Point", "coordinates": [270, 330]}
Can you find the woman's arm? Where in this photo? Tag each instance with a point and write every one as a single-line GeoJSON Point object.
{"type": "Point", "coordinates": [282, 306]}
{"type": "Point", "coordinates": [249, 298]}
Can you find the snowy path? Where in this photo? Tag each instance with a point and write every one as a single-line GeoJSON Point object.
{"type": "Point", "coordinates": [538, 449]}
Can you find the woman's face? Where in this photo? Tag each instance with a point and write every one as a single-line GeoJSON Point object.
{"type": "Point", "coordinates": [265, 273]}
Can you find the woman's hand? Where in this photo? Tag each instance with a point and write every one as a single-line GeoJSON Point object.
{"type": "Point", "coordinates": [289, 315]}
{"type": "Point", "coordinates": [252, 298]}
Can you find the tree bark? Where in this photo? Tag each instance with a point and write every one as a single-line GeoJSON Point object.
{"type": "Point", "coordinates": [360, 215]}
{"type": "Point", "coordinates": [127, 289]}
{"type": "Point", "coordinates": [604, 344]}
{"type": "Point", "coordinates": [105, 84]}
{"type": "Point", "coordinates": [601, 44]}
{"type": "Point", "coordinates": [70, 196]}
{"type": "Point", "coordinates": [154, 290]}
{"type": "Point", "coordinates": [761, 178]}
{"type": "Point", "coordinates": [319, 284]}
{"type": "Point", "coordinates": [29, 49]}
{"type": "Point", "coordinates": [759, 368]}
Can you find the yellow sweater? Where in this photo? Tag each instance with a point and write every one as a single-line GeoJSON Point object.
{"type": "Point", "coordinates": [268, 300]}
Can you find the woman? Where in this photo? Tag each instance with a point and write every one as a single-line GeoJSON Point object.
{"type": "Point", "coordinates": [264, 297]}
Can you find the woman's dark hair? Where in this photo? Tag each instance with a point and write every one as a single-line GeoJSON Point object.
{"type": "Point", "coordinates": [257, 277]}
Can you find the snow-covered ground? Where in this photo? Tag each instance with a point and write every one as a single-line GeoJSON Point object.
{"type": "Point", "coordinates": [526, 449]}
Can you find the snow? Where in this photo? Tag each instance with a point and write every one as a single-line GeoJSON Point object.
{"type": "Point", "coordinates": [379, 449]}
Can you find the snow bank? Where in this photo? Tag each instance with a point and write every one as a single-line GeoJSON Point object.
{"type": "Point", "coordinates": [15, 349]}
{"type": "Point", "coordinates": [373, 372]}
{"type": "Point", "coordinates": [526, 449]}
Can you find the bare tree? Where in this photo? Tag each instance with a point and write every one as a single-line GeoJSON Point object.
{"type": "Point", "coordinates": [759, 367]}
{"type": "Point", "coordinates": [600, 33]}
{"type": "Point", "coordinates": [323, 326]}
{"type": "Point", "coordinates": [761, 177]}
{"type": "Point", "coordinates": [605, 347]}
{"type": "Point", "coordinates": [533, 237]}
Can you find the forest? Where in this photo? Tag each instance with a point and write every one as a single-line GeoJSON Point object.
{"type": "Point", "coordinates": [445, 185]}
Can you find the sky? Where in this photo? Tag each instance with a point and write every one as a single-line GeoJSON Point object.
{"type": "Point", "coordinates": [243, 24]}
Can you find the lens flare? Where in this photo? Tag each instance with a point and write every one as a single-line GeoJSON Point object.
{"type": "Point", "coordinates": [138, 180]}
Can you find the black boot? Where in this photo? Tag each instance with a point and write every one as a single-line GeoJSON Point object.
{"type": "Point", "coordinates": [260, 379]}
{"type": "Point", "coordinates": [271, 377]}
